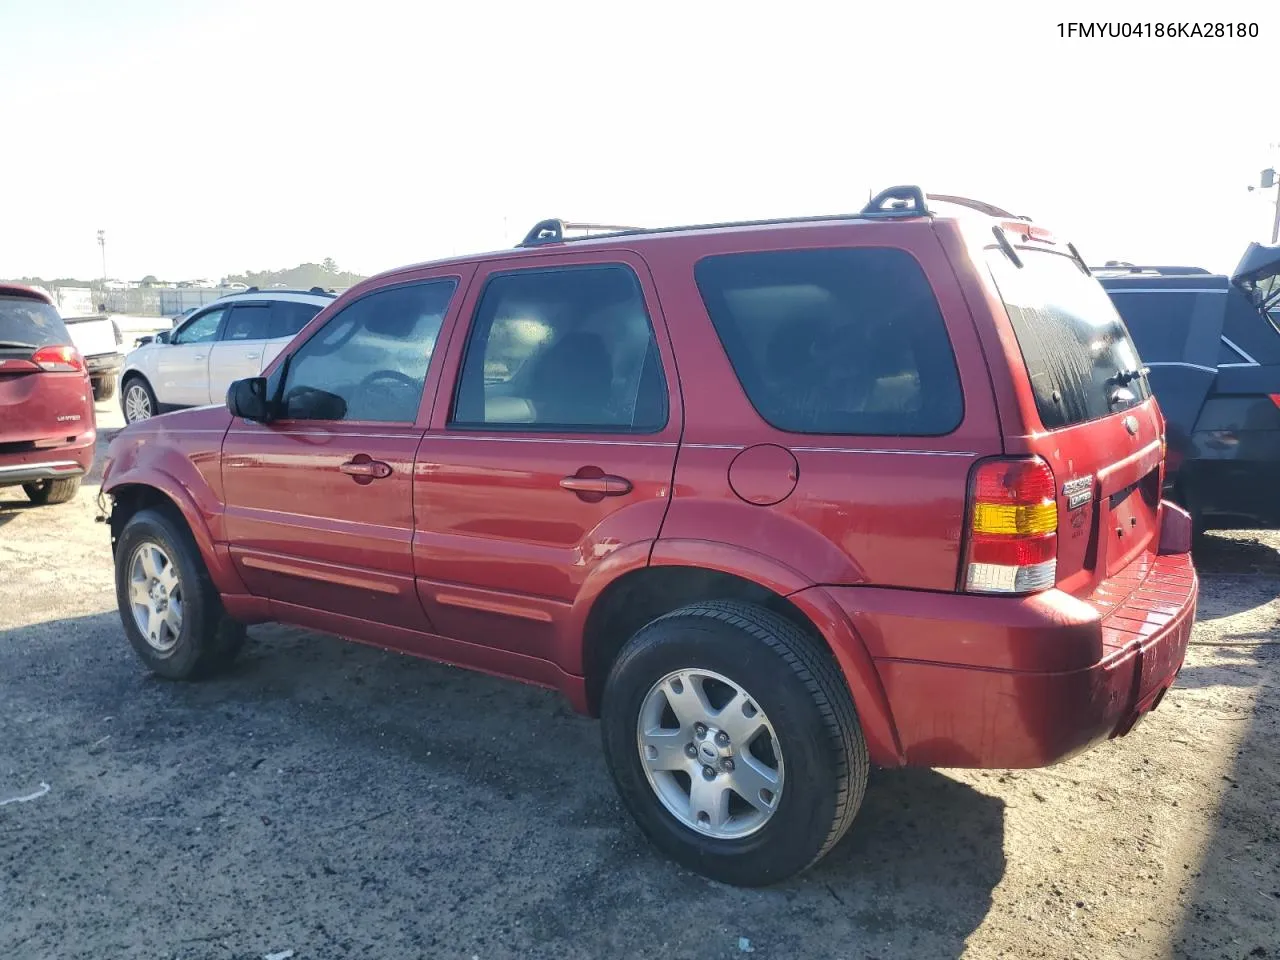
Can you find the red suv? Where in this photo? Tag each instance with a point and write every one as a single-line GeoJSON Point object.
{"type": "Point", "coordinates": [776, 501]}
{"type": "Point", "coordinates": [47, 425]}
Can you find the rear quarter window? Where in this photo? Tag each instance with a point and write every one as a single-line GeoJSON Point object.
{"type": "Point", "coordinates": [846, 341]}
{"type": "Point", "coordinates": [1079, 357]}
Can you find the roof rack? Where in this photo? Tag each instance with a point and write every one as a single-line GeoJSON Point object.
{"type": "Point", "coordinates": [902, 201]}
{"type": "Point", "coordinates": [553, 231]}
{"type": "Point", "coordinates": [1122, 266]}
{"type": "Point", "coordinates": [314, 291]}
{"type": "Point", "coordinates": [990, 209]}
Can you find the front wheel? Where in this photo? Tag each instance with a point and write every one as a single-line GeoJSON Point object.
{"type": "Point", "coordinates": [170, 608]}
{"type": "Point", "coordinates": [733, 741]}
{"type": "Point", "coordinates": [137, 401]}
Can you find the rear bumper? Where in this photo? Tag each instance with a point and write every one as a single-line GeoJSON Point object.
{"type": "Point", "coordinates": [54, 463]}
{"type": "Point", "coordinates": [104, 363]}
{"type": "Point", "coordinates": [995, 683]}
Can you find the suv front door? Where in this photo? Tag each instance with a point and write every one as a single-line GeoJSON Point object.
{"type": "Point", "coordinates": [182, 364]}
{"type": "Point", "coordinates": [551, 449]}
{"type": "Point", "coordinates": [319, 510]}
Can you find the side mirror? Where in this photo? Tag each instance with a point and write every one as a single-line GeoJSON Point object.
{"type": "Point", "coordinates": [248, 400]}
{"type": "Point", "coordinates": [162, 336]}
{"type": "Point", "coordinates": [143, 341]}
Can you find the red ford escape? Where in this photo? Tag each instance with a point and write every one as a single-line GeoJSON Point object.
{"type": "Point", "coordinates": [47, 426]}
{"type": "Point", "coordinates": [776, 501]}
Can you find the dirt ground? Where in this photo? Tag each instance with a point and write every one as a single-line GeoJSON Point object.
{"type": "Point", "coordinates": [338, 801]}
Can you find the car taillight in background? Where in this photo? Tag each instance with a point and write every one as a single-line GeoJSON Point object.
{"type": "Point", "coordinates": [1012, 538]}
{"type": "Point", "coordinates": [58, 359]}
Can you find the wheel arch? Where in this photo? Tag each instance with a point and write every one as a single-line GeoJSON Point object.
{"type": "Point", "coordinates": [678, 575]}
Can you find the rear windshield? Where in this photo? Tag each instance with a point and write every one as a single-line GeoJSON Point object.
{"type": "Point", "coordinates": [26, 322]}
{"type": "Point", "coordinates": [835, 341]}
{"type": "Point", "coordinates": [1079, 357]}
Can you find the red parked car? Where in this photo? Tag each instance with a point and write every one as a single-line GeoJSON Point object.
{"type": "Point", "coordinates": [777, 501]}
{"type": "Point", "coordinates": [47, 425]}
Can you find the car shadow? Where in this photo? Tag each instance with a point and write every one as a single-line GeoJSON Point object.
{"type": "Point", "coordinates": [386, 779]}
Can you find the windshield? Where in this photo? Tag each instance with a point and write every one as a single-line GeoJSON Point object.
{"type": "Point", "coordinates": [1079, 357]}
{"type": "Point", "coordinates": [27, 322]}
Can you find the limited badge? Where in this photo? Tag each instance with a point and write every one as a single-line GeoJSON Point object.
{"type": "Point", "coordinates": [1078, 492]}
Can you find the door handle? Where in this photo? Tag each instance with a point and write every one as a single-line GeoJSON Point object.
{"type": "Point", "coordinates": [604, 486]}
{"type": "Point", "coordinates": [362, 469]}
{"type": "Point", "coordinates": [252, 356]}
{"type": "Point", "coordinates": [198, 356]}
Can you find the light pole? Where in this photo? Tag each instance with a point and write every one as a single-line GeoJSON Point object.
{"type": "Point", "coordinates": [102, 246]}
{"type": "Point", "coordinates": [1266, 181]}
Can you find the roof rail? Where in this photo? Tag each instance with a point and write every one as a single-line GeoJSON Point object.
{"type": "Point", "coordinates": [1122, 266]}
{"type": "Point", "coordinates": [990, 209]}
{"type": "Point", "coordinates": [553, 231]}
{"type": "Point", "coordinates": [900, 201]}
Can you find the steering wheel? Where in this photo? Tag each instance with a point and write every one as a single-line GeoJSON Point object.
{"type": "Point", "coordinates": [388, 384]}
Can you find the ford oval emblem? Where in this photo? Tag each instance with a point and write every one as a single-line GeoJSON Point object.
{"type": "Point", "coordinates": [1131, 424]}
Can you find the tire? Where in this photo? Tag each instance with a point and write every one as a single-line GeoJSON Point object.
{"type": "Point", "coordinates": [52, 491]}
{"type": "Point", "coordinates": [136, 394]}
{"type": "Point", "coordinates": [206, 640]}
{"type": "Point", "coordinates": [798, 692]}
{"type": "Point", "coordinates": [104, 388]}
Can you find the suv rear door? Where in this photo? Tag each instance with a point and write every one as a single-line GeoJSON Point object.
{"type": "Point", "coordinates": [551, 449]}
{"type": "Point", "coordinates": [1099, 429]}
{"type": "Point", "coordinates": [238, 351]}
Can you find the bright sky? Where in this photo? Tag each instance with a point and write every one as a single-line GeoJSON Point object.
{"type": "Point", "coordinates": [209, 137]}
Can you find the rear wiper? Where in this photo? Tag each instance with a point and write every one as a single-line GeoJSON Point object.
{"type": "Point", "coordinates": [1126, 377]}
{"type": "Point", "coordinates": [18, 344]}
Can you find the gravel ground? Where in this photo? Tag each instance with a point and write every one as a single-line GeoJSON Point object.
{"type": "Point", "coordinates": [340, 801]}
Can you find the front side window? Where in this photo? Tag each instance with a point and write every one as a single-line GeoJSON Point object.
{"type": "Point", "coordinates": [369, 361]}
{"type": "Point", "coordinates": [1079, 357]}
{"type": "Point", "coordinates": [201, 329]}
{"type": "Point", "coordinates": [847, 341]}
{"type": "Point", "coordinates": [564, 349]}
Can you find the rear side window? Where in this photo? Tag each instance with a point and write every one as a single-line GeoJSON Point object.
{"type": "Point", "coordinates": [247, 322]}
{"type": "Point", "coordinates": [835, 341]}
{"type": "Point", "coordinates": [27, 322]}
{"type": "Point", "coordinates": [1159, 322]}
{"type": "Point", "coordinates": [565, 349]}
{"type": "Point", "coordinates": [289, 317]}
{"type": "Point", "coordinates": [1079, 357]}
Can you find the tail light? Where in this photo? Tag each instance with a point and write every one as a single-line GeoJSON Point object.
{"type": "Point", "coordinates": [58, 359]}
{"type": "Point", "coordinates": [1012, 544]}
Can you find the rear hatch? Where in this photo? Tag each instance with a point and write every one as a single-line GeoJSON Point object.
{"type": "Point", "coordinates": [1102, 431]}
{"type": "Point", "coordinates": [44, 391]}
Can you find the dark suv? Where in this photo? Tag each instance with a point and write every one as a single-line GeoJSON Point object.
{"type": "Point", "coordinates": [1212, 344]}
{"type": "Point", "coordinates": [777, 501]}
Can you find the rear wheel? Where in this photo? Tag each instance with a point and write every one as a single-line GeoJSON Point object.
{"type": "Point", "coordinates": [52, 491]}
{"type": "Point", "coordinates": [104, 388]}
{"type": "Point", "coordinates": [170, 608]}
{"type": "Point", "coordinates": [138, 401]}
{"type": "Point", "coordinates": [733, 741]}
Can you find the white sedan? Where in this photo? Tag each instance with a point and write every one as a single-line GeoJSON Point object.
{"type": "Point", "coordinates": [234, 337]}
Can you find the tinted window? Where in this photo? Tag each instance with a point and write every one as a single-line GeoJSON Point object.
{"type": "Point", "coordinates": [30, 323]}
{"type": "Point", "coordinates": [247, 322]}
{"type": "Point", "coordinates": [840, 341]}
{"type": "Point", "coordinates": [570, 348]}
{"type": "Point", "coordinates": [1077, 352]}
{"type": "Point", "coordinates": [287, 317]}
{"type": "Point", "coordinates": [369, 361]}
{"type": "Point", "coordinates": [200, 329]}
{"type": "Point", "coordinates": [1159, 322]}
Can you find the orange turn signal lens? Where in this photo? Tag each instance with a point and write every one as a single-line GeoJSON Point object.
{"type": "Point", "coordinates": [1010, 519]}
